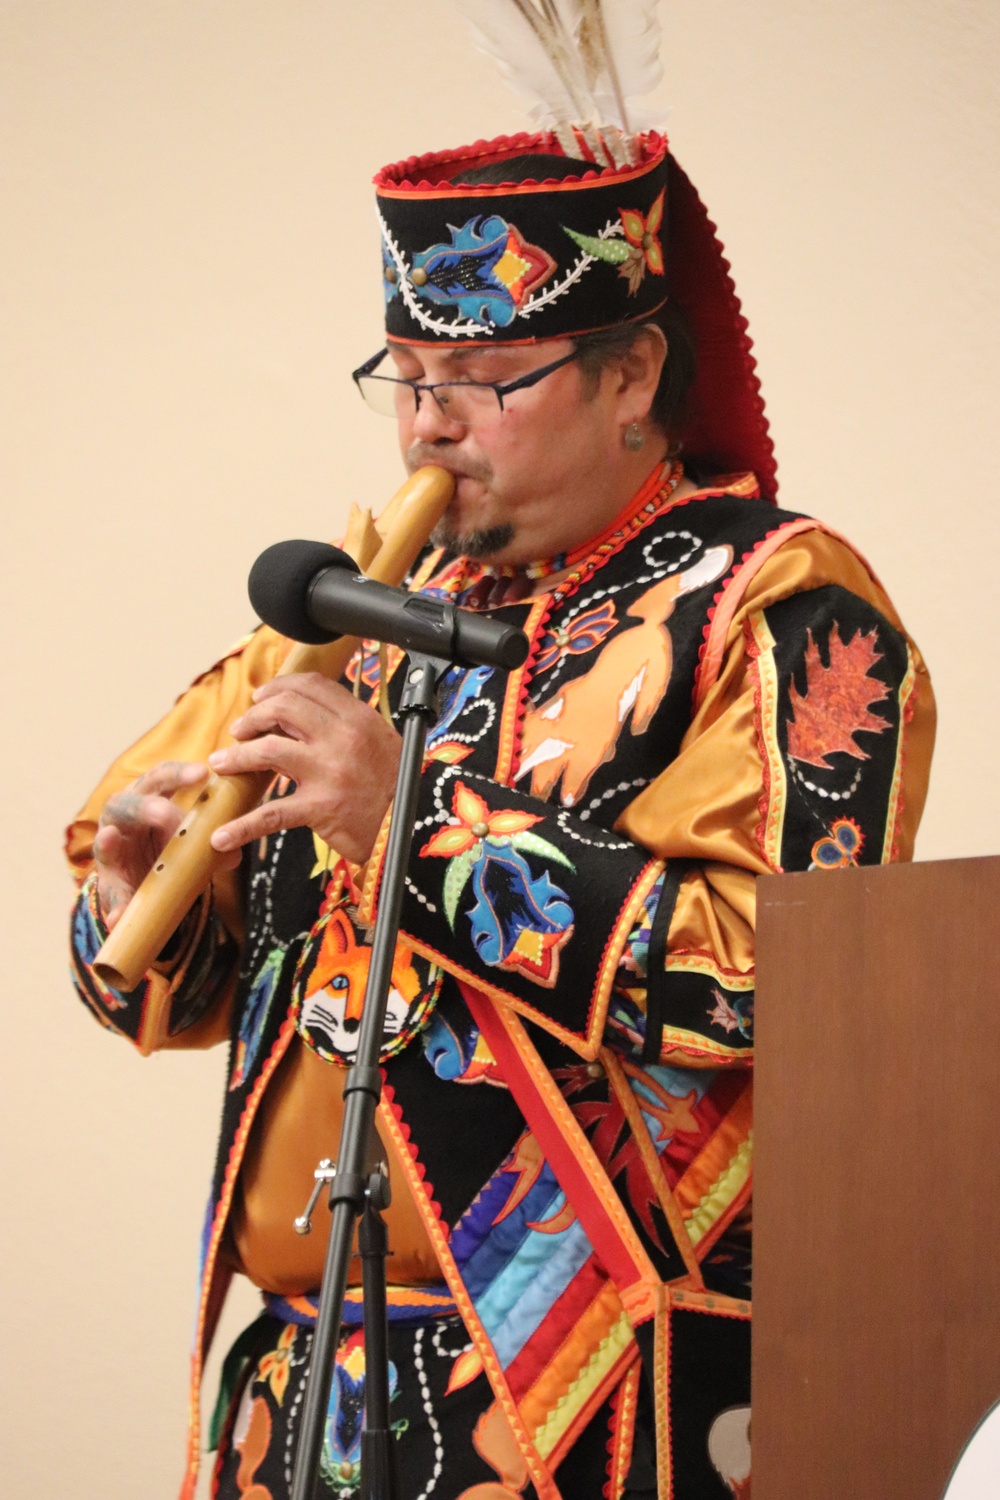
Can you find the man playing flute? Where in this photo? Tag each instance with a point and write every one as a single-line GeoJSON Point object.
{"type": "Point", "coordinates": [716, 688]}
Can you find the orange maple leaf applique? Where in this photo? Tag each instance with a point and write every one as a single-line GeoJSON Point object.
{"type": "Point", "coordinates": [837, 699]}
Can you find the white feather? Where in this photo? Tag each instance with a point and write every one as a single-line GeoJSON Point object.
{"type": "Point", "coordinates": [523, 46]}
{"type": "Point", "coordinates": [580, 63]}
{"type": "Point", "coordinates": [630, 33]}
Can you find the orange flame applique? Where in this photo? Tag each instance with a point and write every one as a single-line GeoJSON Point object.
{"type": "Point", "coordinates": [464, 1371]}
{"type": "Point", "coordinates": [527, 1162]}
{"type": "Point", "coordinates": [496, 1444]}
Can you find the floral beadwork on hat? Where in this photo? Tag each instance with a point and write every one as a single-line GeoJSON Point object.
{"type": "Point", "coordinates": [518, 261]}
{"type": "Point", "coordinates": [480, 247]}
{"type": "Point", "coordinates": [487, 271]}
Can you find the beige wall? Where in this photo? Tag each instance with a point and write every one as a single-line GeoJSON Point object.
{"type": "Point", "coordinates": [189, 271]}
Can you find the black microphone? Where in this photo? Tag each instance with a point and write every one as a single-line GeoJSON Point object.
{"type": "Point", "coordinates": [313, 592]}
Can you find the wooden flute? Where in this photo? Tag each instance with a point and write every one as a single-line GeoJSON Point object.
{"type": "Point", "coordinates": [386, 551]}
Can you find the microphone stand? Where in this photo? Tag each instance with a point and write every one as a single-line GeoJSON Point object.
{"type": "Point", "coordinates": [357, 1191]}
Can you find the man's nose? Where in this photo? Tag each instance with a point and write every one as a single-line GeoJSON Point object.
{"type": "Point", "coordinates": [431, 425]}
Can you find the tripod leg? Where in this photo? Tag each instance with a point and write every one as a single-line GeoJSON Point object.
{"type": "Point", "coordinates": [379, 1480]}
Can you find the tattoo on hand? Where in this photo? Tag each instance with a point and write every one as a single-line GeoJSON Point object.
{"type": "Point", "coordinates": [124, 809]}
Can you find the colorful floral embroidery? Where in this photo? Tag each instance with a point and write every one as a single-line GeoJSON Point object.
{"type": "Point", "coordinates": [840, 847]}
{"type": "Point", "coordinates": [581, 634]}
{"type": "Point", "coordinates": [365, 662]}
{"type": "Point", "coordinates": [274, 1366]}
{"type": "Point", "coordinates": [519, 921]}
{"type": "Point", "coordinates": [626, 1020]}
{"type": "Point", "coordinates": [642, 233]}
{"type": "Point", "coordinates": [487, 271]}
{"type": "Point", "coordinates": [460, 689]}
{"type": "Point", "coordinates": [88, 936]}
{"type": "Point", "coordinates": [450, 752]}
{"type": "Point", "coordinates": [733, 1015]}
{"type": "Point", "coordinates": [635, 958]}
{"type": "Point", "coordinates": [340, 1462]}
{"type": "Point", "coordinates": [640, 251]}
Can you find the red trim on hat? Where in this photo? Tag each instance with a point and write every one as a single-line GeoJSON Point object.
{"type": "Point", "coordinates": [430, 175]}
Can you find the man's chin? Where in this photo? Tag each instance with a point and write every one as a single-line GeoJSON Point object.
{"type": "Point", "coordinates": [483, 541]}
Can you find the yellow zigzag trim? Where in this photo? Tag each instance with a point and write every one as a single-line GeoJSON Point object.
{"type": "Point", "coordinates": [701, 963]}
{"type": "Point", "coordinates": [723, 1191]}
{"type": "Point", "coordinates": [604, 1357]}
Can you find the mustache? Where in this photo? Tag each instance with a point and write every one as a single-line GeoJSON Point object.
{"type": "Point", "coordinates": [467, 467]}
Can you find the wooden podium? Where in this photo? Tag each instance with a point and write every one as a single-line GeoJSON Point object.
{"type": "Point", "coordinates": [877, 1178]}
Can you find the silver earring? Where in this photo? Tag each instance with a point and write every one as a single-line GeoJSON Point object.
{"type": "Point", "coordinates": [634, 437]}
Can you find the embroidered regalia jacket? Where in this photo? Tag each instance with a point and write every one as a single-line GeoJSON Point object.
{"type": "Point", "coordinates": [722, 689]}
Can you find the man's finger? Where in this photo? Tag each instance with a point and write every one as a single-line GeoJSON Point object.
{"type": "Point", "coordinates": [270, 817]}
{"type": "Point", "coordinates": [292, 714]}
{"type": "Point", "coordinates": [165, 779]}
{"type": "Point", "coordinates": [273, 752]}
{"type": "Point", "coordinates": [114, 906]}
{"type": "Point", "coordinates": [113, 895]}
{"type": "Point", "coordinates": [131, 812]}
{"type": "Point", "coordinates": [312, 685]}
{"type": "Point", "coordinates": [107, 844]}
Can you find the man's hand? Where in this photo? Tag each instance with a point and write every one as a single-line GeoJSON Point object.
{"type": "Point", "coordinates": [340, 753]}
{"type": "Point", "coordinates": [133, 828]}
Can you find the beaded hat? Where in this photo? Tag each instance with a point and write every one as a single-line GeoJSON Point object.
{"type": "Point", "coordinates": [468, 257]}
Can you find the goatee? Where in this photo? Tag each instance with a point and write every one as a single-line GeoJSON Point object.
{"type": "Point", "coordinates": [485, 542]}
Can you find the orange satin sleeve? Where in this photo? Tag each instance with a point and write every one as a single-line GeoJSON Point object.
{"type": "Point", "coordinates": [707, 804]}
{"type": "Point", "coordinates": [197, 724]}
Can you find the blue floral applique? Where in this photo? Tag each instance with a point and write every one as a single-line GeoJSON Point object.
{"type": "Point", "coordinates": [487, 272]}
{"type": "Point", "coordinates": [457, 1051]}
{"type": "Point", "coordinates": [519, 921]}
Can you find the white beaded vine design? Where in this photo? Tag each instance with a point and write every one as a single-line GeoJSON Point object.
{"type": "Point", "coordinates": [581, 264]}
{"type": "Point", "coordinates": [432, 1421]}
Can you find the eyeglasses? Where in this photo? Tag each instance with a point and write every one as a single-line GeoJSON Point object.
{"type": "Point", "coordinates": [458, 400]}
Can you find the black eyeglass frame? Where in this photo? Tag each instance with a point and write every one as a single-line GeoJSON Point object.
{"type": "Point", "coordinates": [499, 388]}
